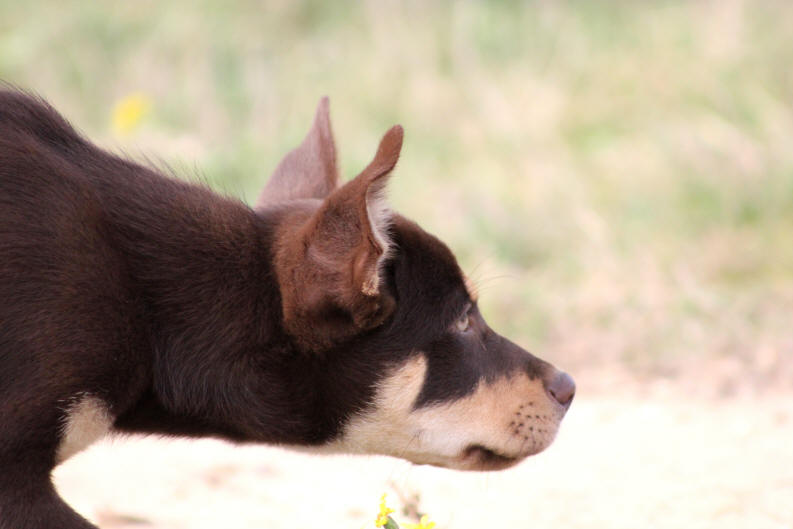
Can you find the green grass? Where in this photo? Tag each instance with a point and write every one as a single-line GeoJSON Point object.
{"type": "Point", "coordinates": [621, 170]}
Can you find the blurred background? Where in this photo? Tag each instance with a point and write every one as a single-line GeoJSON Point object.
{"type": "Point", "coordinates": [616, 176]}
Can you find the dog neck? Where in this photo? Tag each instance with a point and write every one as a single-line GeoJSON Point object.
{"type": "Point", "coordinates": [202, 272]}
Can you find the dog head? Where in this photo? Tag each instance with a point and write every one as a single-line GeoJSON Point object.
{"type": "Point", "coordinates": [409, 366]}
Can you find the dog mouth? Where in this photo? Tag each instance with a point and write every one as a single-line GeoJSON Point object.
{"type": "Point", "coordinates": [478, 457]}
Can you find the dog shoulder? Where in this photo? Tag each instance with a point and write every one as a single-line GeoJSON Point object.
{"type": "Point", "coordinates": [22, 113]}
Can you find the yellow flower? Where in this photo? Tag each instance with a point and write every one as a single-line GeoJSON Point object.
{"type": "Point", "coordinates": [382, 517]}
{"type": "Point", "coordinates": [424, 523]}
{"type": "Point", "coordinates": [128, 112]}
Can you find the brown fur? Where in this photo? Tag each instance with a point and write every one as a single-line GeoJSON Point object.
{"type": "Point", "coordinates": [333, 258]}
{"type": "Point", "coordinates": [319, 319]}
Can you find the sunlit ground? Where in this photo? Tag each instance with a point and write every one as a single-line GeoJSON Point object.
{"type": "Point", "coordinates": [618, 176]}
{"type": "Point", "coordinates": [617, 463]}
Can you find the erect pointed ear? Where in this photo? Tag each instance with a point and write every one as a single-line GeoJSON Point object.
{"type": "Point", "coordinates": [330, 272]}
{"type": "Point", "coordinates": [308, 171]}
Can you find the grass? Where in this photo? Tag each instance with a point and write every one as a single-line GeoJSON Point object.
{"type": "Point", "coordinates": [618, 174]}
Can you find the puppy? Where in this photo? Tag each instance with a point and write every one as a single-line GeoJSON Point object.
{"type": "Point", "coordinates": [134, 302]}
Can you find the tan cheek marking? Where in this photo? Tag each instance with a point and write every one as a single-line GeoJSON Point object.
{"type": "Point", "coordinates": [386, 425]}
{"type": "Point", "coordinates": [87, 420]}
{"type": "Point", "coordinates": [513, 416]}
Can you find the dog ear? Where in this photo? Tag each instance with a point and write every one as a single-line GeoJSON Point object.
{"type": "Point", "coordinates": [330, 272]}
{"type": "Point", "coordinates": [308, 171]}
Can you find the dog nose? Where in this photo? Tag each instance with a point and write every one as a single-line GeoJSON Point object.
{"type": "Point", "coordinates": [562, 388]}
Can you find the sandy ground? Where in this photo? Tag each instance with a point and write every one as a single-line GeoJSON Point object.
{"type": "Point", "coordinates": [617, 463]}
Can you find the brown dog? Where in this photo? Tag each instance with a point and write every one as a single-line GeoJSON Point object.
{"type": "Point", "coordinates": [134, 302]}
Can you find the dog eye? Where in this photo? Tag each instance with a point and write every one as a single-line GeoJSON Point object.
{"type": "Point", "coordinates": [463, 322]}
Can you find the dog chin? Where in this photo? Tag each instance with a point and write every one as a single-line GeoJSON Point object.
{"type": "Point", "coordinates": [481, 458]}
{"type": "Point", "coordinates": [478, 458]}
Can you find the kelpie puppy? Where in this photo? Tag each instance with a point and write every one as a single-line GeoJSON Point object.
{"type": "Point", "coordinates": [135, 302]}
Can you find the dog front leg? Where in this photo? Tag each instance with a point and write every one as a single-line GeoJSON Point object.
{"type": "Point", "coordinates": [27, 503]}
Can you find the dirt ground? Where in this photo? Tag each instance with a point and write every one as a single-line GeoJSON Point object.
{"type": "Point", "coordinates": [654, 461]}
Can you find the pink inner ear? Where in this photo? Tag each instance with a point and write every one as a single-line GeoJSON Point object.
{"type": "Point", "coordinates": [308, 171]}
